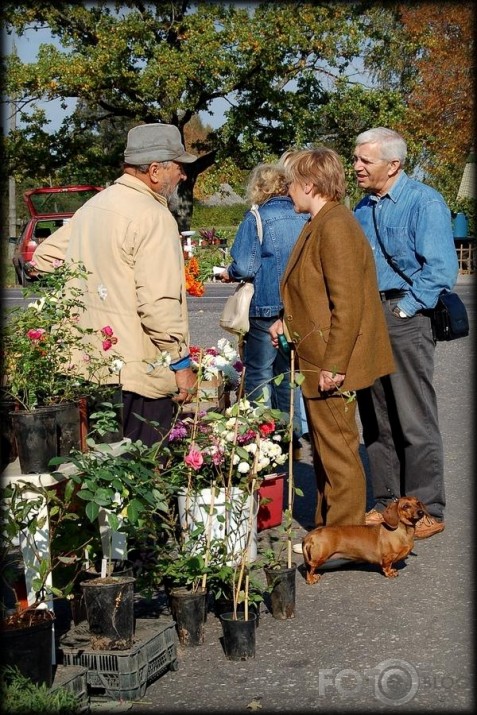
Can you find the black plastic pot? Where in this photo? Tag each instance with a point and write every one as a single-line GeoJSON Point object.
{"type": "Point", "coordinates": [239, 636]}
{"type": "Point", "coordinates": [282, 583]}
{"type": "Point", "coordinates": [110, 611]}
{"type": "Point", "coordinates": [8, 445]}
{"type": "Point", "coordinates": [30, 649]}
{"type": "Point", "coordinates": [188, 609]}
{"type": "Point", "coordinates": [35, 436]}
{"type": "Point", "coordinates": [68, 432]}
{"type": "Point", "coordinates": [77, 603]}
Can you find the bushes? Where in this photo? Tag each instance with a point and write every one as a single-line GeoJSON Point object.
{"type": "Point", "coordinates": [217, 216]}
{"type": "Point", "coordinates": [20, 695]}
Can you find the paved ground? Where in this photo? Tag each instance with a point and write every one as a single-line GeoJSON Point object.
{"type": "Point", "coordinates": [359, 642]}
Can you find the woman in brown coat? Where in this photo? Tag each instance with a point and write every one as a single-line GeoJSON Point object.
{"type": "Point", "coordinates": [333, 315]}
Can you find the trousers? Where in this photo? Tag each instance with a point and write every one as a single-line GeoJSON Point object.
{"type": "Point", "coordinates": [339, 472]}
{"type": "Point", "coordinates": [161, 411]}
{"type": "Point", "coordinates": [400, 420]}
{"type": "Point", "coordinates": [263, 363]}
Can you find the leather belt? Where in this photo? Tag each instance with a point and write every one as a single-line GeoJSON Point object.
{"type": "Point", "coordinates": [391, 294]}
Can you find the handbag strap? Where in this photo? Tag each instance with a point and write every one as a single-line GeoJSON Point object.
{"type": "Point", "coordinates": [258, 219]}
{"type": "Point", "coordinates": [389, 259]}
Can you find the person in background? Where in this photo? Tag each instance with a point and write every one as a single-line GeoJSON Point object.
{"type": "Point", "coordinates": [128, 240]}
{"type": "Point", "coordinates": [409, 228]}
{"type": "Point", "coordinates": [332, 313]}
{"type": "Point", "coordinates": [264, 265]}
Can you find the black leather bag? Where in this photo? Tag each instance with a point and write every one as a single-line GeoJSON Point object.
{"type": "Point", "coordinates": [449, 318]}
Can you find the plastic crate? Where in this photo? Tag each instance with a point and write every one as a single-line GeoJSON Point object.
{"type": "Point", "coordinates": [74, 679]}
{"type": "Point", "coordinates": [125, 674]}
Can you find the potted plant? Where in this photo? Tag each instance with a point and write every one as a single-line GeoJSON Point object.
{"type": "Point", "coordinates": [280, 570]}
{"type": "Point", "coordinates": [209, 457]}
{"type": "Point", "coordinates": [26, 628]}
{"type": "Point", "coordinates": [121, 490]}
{"type": "Point", "coordinates": [49, 362]}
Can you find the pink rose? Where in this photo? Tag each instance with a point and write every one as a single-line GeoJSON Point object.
{"type": "Point", "coordinates": [107, 344]}
{"type": "Point", "coordinates": [36, 334]}
{"type": "Point", "coordinates": [107, 331]}
{"type": "Point", "coordinates": [194, 459]}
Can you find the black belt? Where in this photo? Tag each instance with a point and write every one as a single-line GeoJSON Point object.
{"type": "Point", "coordinates": [391, 294]}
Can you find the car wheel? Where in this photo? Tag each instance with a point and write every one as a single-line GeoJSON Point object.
{"type": "Point", "coordinates": [24, 278]}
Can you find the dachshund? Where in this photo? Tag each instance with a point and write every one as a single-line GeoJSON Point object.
{"type": "Point", "coordinates": [382, 544]}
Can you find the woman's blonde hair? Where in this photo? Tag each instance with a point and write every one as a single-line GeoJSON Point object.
{"type": "Point", "coordinates": [321, 167]}
{"type": "Point", "coordinates": [265, 181]}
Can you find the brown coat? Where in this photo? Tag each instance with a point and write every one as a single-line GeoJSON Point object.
{"type": "Point", "coordinates": [332, 309]}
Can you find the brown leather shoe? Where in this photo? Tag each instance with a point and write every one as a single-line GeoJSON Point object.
{"type": "Point", "coordinates": [428, 526]}
{"type": "Point", "coordinates": [373, 517]}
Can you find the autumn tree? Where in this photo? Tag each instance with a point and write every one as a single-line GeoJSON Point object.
{"type": "Point", "coordinates": [274, 64]}
{"type": "Point", "coordinates": [430, 61]}
{"type": "Point", "coordinates": [290, 74]}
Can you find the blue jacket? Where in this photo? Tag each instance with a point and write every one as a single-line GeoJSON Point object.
{"type": "Point", "coordinates": [415, 227]}
{"type": "Point", "coordinates": [265, 264]}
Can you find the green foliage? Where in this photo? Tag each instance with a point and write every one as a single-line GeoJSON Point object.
{"type": "Point", "coordinates": [218, 216]}
{"type": "Point", "coordinates": [48, 358]}
{"type": "Point", "coordinates": [125, 481]}
{"type": "Point", "coordinates": [19, 695]}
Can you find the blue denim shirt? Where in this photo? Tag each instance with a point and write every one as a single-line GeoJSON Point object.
{"type": "Point", "coordinates": [415, 227]}
{"type": "Point", "coordinates": [265, 264]}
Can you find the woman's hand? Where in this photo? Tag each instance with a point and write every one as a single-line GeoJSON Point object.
{"type": "Point", "coordinates": [275, 330]}
{"type": "Point", "coordinates": [330, 381]}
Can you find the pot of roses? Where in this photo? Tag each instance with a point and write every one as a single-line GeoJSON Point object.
{"type": "Point", "coordinates": [219, 370]}
{"type": "Point", "coordinates": [49, 363]}
{"type": "Point", "coordinates": [209, 458]}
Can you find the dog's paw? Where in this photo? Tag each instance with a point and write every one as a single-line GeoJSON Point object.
{"type": "Point", "coordinates": [310, 580]}
{"type": "Point", "coordinates": [391, 573]}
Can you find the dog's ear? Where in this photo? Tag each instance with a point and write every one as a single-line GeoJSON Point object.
{"type": "Point", "coordinates": [390, 515]}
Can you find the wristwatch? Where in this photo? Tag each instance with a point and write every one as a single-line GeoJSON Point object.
{"type": "Point", "coordinates": [399, 313]}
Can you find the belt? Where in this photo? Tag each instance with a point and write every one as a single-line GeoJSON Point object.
{"type": "Point", "coordinates": [391, 294]}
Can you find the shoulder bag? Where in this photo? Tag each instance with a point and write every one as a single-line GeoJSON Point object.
{"type": "Point", "coordinates": [449, 317]}
{"type": "Point", "coordinates": [235, 315]}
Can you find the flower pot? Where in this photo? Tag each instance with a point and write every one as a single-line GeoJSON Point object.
{"type": "Point", "coordinates": [68, 431]}
{"type": "Point", "coordinates": [77, 603]}
{"type": "Point", "coordinates": [188, 609]}
{"type": "Point", "coordinates": [271, 513]}
{"type": "Point", "coordinates": [282, 583]}
{"type": "Point", "coordinates": [238, 636]}
{"type": "Point", "coordinates": [35, 435]}
{"type": "Point", "coordinates": [226, 605]}
{"type": "Point", "coordinates": [231, 524]}
{"type": "Point", "coordinates": [110, 611]}
{"type": "Point", "coordinates": [8, 445]}
{"type": "Point", "coordinates": [29, 647]}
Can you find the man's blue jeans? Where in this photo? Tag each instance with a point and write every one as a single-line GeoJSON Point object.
{"type": "Point", "coordinates": [263, 362]}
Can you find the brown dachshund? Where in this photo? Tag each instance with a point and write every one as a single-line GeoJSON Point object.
{"type": "Point", "coordinates": [382, 544]}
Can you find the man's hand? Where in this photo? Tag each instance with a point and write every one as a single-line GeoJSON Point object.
{"type": "Point", "coordinates": [186, 381]}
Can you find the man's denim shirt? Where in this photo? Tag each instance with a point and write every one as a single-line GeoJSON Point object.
{"type": "Point", "coordinates": [415, 227]}
{"type": "Point", "coordinates": [265, 264]}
